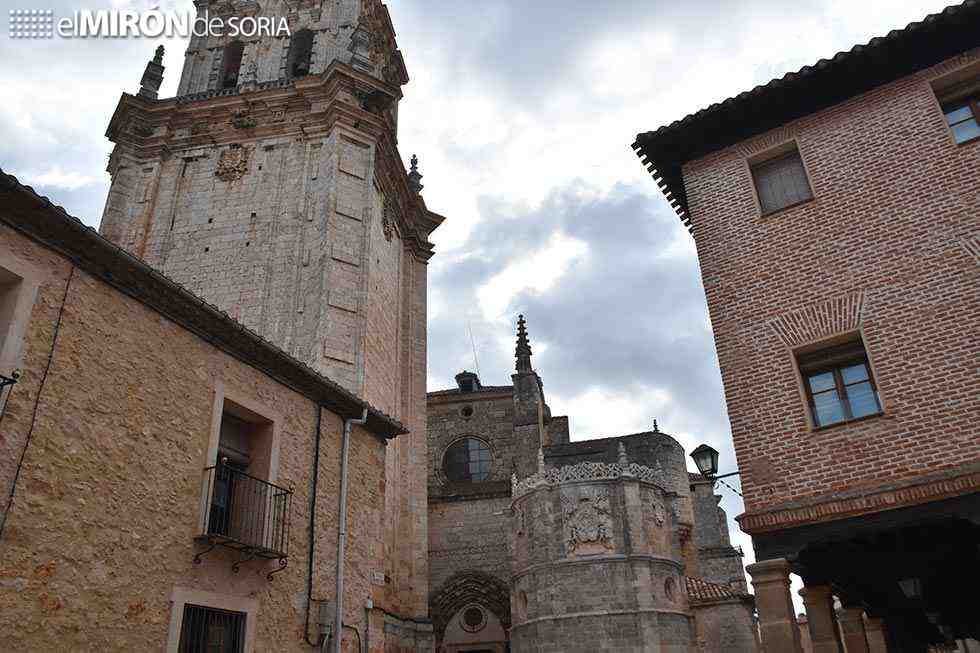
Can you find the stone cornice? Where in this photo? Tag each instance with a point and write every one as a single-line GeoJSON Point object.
{"type": "Point", "coordinates": [868, 500]}
{"type": "Point", "coordinates": [307, 108]}
{"type": "Point", "coordinates": [483, 394]}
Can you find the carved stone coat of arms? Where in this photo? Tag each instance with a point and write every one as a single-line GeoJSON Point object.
{"type": "Point", "coordinates": [233, 164]}
{"type": "Point", "coordinates": [587, 524]}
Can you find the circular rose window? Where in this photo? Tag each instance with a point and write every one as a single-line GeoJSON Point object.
{"type": "Point", "coordinates": [474, 619]}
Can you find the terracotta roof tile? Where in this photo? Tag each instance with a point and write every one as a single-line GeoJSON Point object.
{"type": "Point", "coordinates": [700, 591]}
{"type": "Point", "coordinates": [457, 391]}
{"type": "Point", "coordinates": [42, 220]}
{"type": "Point", "coordinates": [883, 59]}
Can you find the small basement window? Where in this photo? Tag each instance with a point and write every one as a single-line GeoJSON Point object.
{"type": "Point", "coordinates": [839, 384]}
{"type": "Point", "coordinates": [781, 182]}
{"type": "Point", "coordinates": [211, 630]}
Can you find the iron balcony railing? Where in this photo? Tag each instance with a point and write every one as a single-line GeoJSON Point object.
{"type": "Point", "coordinates": [246, 513]}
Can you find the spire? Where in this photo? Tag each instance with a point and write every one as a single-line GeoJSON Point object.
{"type": "Point", "coordinates": [152, 76]}
{"type": "Point", "coordinates": [415, 177]}
{"type": "Point", "coordinates": [523, 352]}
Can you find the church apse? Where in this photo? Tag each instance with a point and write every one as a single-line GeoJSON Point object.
{"type": "Point", "coordinates": [596, 561]}
{"type": "Point", "coordinates": [595, 541]}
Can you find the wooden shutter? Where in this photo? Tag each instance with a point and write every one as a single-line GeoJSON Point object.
{"type": "Point", "coordinates": [781, 182]}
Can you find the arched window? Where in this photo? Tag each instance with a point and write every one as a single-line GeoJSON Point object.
{"type": "Point", "coordinates": [231, 64]}
{"type": "Point", "coordinates": [467, 460]}
{"type": "Point", "coordinates": [300, 54]}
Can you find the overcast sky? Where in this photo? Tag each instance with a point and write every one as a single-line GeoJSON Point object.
{"type": "Point", "coordinates": [522, 114]}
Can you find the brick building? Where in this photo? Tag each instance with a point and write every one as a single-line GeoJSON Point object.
{"type": "Point", "coordinates": [835, 212]}
{"type": "Point", "coordinates": [272, 188]}
{"type": "Point", "coordinates": [542, 544]}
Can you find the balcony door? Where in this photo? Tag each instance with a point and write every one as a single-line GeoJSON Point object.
{"type": "Point", "coordinates": [230, 496]}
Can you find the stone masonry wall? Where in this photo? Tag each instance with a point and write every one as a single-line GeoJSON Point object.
{"type": "Point", "coordinates": [597, 567]}
{"type": "Point", "coordinates": [278, 245]}
{"type": "Point", "coordinates": [468, 536]}
{"type": "Point", "coordinates": [468, 526]}
{"type": "Point", "coordinates": [725, 626]}
{"type": "Point", "coordinates": [491, 421]}
{"type": "Point", "coordinates": [717, 560]}
{"type": "Point", "coordinates": [331, 22]}
{"type": "Point", "coordinates": [295, 246]}
{"type": "Point", "coordinates": [892, 232]}
{"type": "Point", "coordinates": [108, 501]}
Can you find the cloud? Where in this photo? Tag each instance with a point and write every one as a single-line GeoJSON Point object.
{"type": "Point", "coordinates": [522, 114]}
{"type": "Point", "coordinates": [537, 272]}
{"type": "Point", "coordinates": [55, 177]}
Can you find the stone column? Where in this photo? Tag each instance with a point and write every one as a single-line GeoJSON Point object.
{"type": "Point", "coordinates": [851, 622]}
{"type": "Point", "coordinates": [777, 619]}
{"type": "Point", "coordinates": [874, 631]}
{"type": "Point", "coordinates": [819, 602]}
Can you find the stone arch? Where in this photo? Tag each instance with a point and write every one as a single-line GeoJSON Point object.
{"type": "Point", "coordinates": [468, 587]}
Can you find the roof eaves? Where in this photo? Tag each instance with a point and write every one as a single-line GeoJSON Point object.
{"type": "Point", "coordinates": [86, 248]}
{"type": "Point", "coordinates": [664, 151]}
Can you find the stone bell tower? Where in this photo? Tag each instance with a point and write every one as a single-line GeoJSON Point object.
{"type": "Point", "coordinates": [272, 187]}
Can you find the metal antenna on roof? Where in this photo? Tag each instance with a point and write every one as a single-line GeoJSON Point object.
{"type": "Point", "coordinates": [476, 361]}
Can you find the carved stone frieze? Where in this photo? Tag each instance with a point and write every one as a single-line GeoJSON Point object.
{"type": "Point", "coordinates": [587, 471]}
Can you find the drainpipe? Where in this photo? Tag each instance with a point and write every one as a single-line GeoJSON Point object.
{"type": "Point", "coordinates": [311, 536]}
{"type": "Point", "coordinates": [342, 532]}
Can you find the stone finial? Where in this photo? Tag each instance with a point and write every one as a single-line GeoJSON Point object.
{"type": "Point", "coordinates": [415, 177]}
{"type": "Point", "coordinates": [656, 429]}
{"type": "Point", "coordinates": [523, 352]}
{"type": "Point", "coordinates": [152, 76]}
{"type": "Point", "coordinates": [623, 460]}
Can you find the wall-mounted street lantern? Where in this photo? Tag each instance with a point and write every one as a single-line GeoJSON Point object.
{"type": "Point", "coordinates": [706, 459]}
